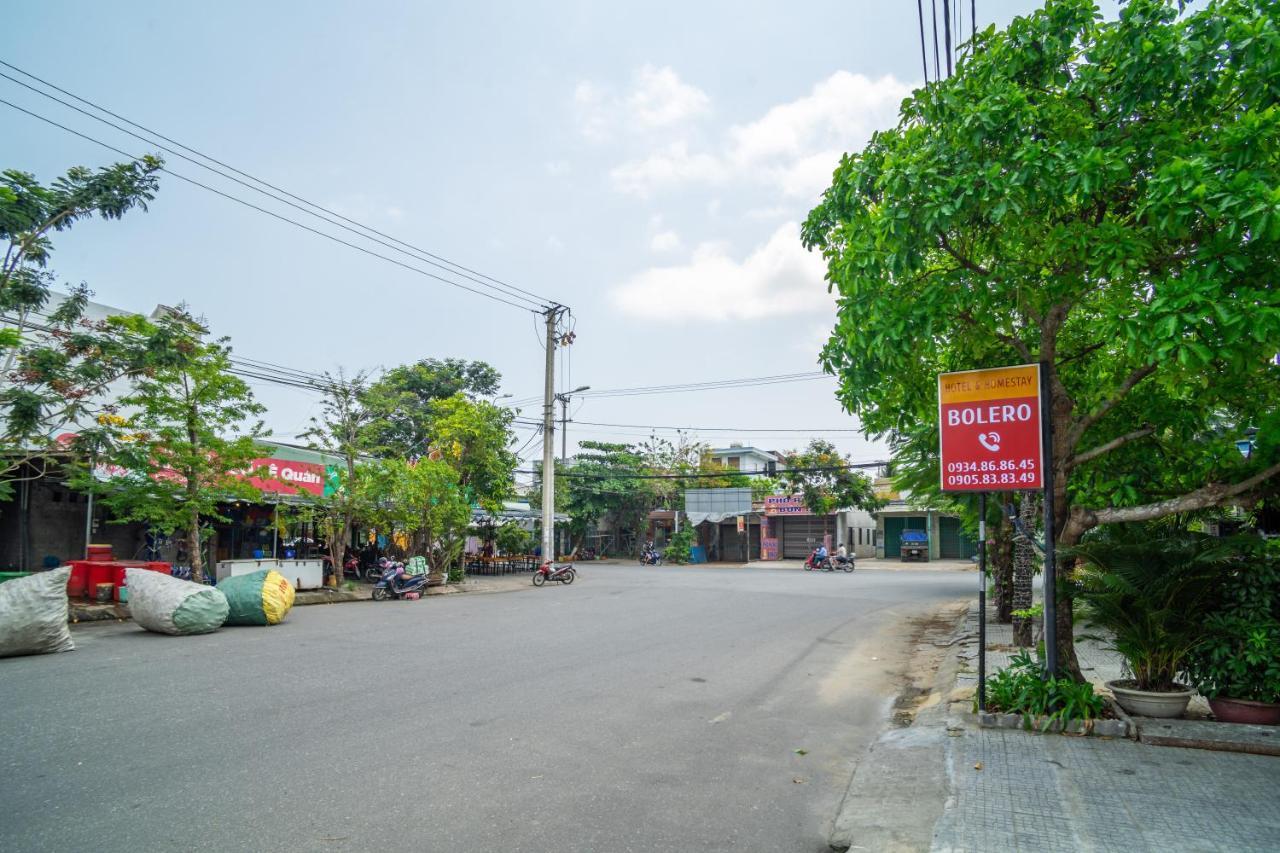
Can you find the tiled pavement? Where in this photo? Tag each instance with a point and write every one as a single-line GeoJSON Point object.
{"type": "Point", "coordinates": [1050, 792]}
{"type": "Point", "coordinates": [1039, 792]}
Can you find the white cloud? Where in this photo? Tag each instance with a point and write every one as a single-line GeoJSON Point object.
{"type": "Point", "coordinates": [657, 98]}
{"type": "Point", "coordinates": [672, 165]}
{"type": "Point", "coordinates": [556, 168]}
{"type": "Point", "coordinates": [776, 279]}
{"type": "Point", "coordinates": [665, 241]}
{"type": "Point", "coordinates": [661, 98]}
{"type": "Point", "coordinates": [793, 147]}
{"type": "Point", "coordinates": [555, 244]}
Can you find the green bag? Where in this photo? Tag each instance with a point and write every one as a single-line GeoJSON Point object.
{"type": "Point", "coordinates": [258, 598]}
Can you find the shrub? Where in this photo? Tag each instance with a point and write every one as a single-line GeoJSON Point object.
{"type": "Point", "coordinates": [679, 546]}
{"type": "Point", "coordinates": [1151, 594]}
{"type": "Point", "coordinates": [1238, 656]}
{"type": "Point", "coordinates": [1021, 688]}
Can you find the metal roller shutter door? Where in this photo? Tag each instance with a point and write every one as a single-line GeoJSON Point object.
{"type": "Point", "coordinates": [801, 534]}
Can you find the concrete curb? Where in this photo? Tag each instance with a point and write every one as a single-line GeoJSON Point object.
{"type": "Point", "coordinates": [900, 786]}
{"type": "Point", "coordinates": [1094, 728]}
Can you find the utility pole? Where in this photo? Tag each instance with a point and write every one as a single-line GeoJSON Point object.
{"type": "Point", "coordinates": [564, 419]}
{"type": "Point", "coordinates": [548, 439]}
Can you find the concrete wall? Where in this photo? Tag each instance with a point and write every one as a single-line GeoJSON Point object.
{"type": "Point", "coordinates": [56, 527]}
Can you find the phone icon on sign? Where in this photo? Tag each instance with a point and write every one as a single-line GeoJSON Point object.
{"type": "Point", "coordinates": [989, 440]}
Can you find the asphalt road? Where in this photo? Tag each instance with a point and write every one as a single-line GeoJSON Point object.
{"type": "Point", "coordinates": [636, 710]}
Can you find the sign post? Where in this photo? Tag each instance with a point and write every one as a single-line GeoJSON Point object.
{"type": "Point", "coordinates": [992, 437]}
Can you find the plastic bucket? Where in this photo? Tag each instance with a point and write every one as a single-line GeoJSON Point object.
{"type": "Point", "coordinates": [100, 554]}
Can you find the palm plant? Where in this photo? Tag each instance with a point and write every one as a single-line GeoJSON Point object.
{"type": "Point", "coordinates": [1150, 592]}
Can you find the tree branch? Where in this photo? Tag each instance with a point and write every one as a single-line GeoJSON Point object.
{"type": "Point", "coordinates": [961, 259]}
{"type": "Point", "coordinates": [1111, 445]}
{"type": "Point", "coordinates": [1082, 425]}
{"type": "Point", "coordinates": [1017, 344]}
{"type": "Point", "coordinates": [1211, 495]}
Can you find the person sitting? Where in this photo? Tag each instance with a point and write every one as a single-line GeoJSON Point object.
{"type": "Point", "coordinates": [820, 555]}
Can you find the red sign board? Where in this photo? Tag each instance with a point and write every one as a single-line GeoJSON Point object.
{"type": "Point", "coordinates": [989, 423]}
{"type": "Point", "coordinates": [286, 477]}
{"type": "Point", "coordinates": [784, 505]}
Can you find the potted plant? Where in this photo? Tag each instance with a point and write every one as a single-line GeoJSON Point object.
{"type": "Point", "coordinates": [1236, 665]}
{"type": "Point", "coordinates": [1149, 593]}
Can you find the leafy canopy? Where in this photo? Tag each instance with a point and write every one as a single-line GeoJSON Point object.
{"type": "Point", "coordinates": [401, 401]}
{"type": "Point", "coordinates": [1103, 196]}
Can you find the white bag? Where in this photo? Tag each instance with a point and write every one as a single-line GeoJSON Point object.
{"type": "Point", "coordinates": [168, 605]}
{"type": "Point", "coordinates": [33, 614]}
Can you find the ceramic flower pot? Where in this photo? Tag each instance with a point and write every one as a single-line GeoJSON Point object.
{"type": "Point", "coordinates": [1245, 711]}
{"type": "Point", "coordinates": [1147, 703]}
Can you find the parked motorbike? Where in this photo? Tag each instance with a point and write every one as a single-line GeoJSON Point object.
{"type": "Point", "coordinates": [546, 572]}
{"type": "Point", "coordinates": [374, 572]}
{"type": "Point", "coordinates": [351, 568]}
{"type": "Point", "coordinates": [394, 583]}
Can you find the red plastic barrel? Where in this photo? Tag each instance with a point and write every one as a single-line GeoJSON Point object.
{"type": "Point", "coordinates": [100, 554]}
{"type": "Point", "coordinates": [100, 573]}
{"type": "Point", "coordinates": [78, 583]}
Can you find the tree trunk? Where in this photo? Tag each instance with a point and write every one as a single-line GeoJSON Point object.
{"type": "Point", "coordinates": [1002, 567]}
{"type": "Point", "coordinates": [1024, 560]}
{"type": "Point", "coordinates": [195, 551]}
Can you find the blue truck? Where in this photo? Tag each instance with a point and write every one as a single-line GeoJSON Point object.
{"type": "Point", "coordinates": [915, 545]}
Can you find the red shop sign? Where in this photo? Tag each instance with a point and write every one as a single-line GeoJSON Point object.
{"type": "Point", "coordinates": [989, 427]}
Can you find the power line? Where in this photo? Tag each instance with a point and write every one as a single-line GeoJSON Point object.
{"type": "Point", "coordinates": [271, 213]}
{"type": "Point", "coordinates": [946, 28]}
{"type": "Point", "coordinates": [507, 289]}
{"type": "Point", "coordinates": [769, 430]}
{"type": "Point", "coordinates": [924, 57]}
{"type": "Point", "coordinates": [624, 474]}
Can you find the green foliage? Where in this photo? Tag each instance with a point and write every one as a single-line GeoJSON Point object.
{"type": "Point", "coordinates": [603, 482]}
{"type": "Point", "coordinates": [338, 431]}
{"type": "Point", "coordinates": [1022, 688]}
{"type": "Point", "coordinates": [57, 365]}
{"type": "Point", "coordinates": [1036, 611]}
{"type": "Point", "coordinates": [423, 500]}
{"type": "Point", "coordinates": [1100, 194]}
{"type": "Point", "coordinates": [186, 440]}
{"type": "Point", "coordinates": [679, 548]}
{"type": "Point", "coordinates": [1238, 655]}
{"type": "Point", "coordinates": [401, 401]}
{"type": "Point", "coordinates": [474, 437]}
{"type": "Point", "coordinates": [821, 477]}
{"type": "Point", "coordinates": [514, 539]}
{"type": "Point", "coordinates": [1151, 592]}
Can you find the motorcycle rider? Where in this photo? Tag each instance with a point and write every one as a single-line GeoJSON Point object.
{"type": "Point", "coordinates": [820, 555]}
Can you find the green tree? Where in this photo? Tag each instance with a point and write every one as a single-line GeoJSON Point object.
{"type": "Point", "coordinates": [339, 431]}
{"type": "Point", "coordinates": [604, 482]}
{"type": "Point", "coordinates": [185, 440]}
{"type": "Point", "coordinates": [54, 365]}
{"type": "Point", "coordinates": [475, 437]}
{"type": "Point", "coordinates": [422, 500]}
{"type": "Point", "coordinates": [1097, 195]}
{"type": "Point", "coordinates": [402, 399]}
{"type": "Point", "coordinates": [825, 482]}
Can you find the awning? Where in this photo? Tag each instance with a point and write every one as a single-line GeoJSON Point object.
{"type": "Point", "coordinates": [696, 518]}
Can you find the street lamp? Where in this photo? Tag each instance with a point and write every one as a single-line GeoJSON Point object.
{"type": "Point", "coordinates": [564, 418]}
{"type": "Point", "coordinates": [1245, 445]}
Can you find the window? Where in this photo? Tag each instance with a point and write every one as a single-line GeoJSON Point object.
{"type": "Point", "coordinates": [734, 462]}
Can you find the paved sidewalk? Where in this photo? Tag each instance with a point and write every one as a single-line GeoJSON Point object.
{"type": "Point", "coordinates": [1052, 792]}
{"type": "Point", "coordinates": [1023, 791]}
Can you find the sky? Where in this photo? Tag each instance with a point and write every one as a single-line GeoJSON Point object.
{"type": "Point", "coordinates": [647, 165]}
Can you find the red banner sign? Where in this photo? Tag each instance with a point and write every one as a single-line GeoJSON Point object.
{"type": "Point", "coordinates": [286, 477]}
{"type": "Point", "coordinates": [989, 426]}
{"type": "Point", "coordinates": [784, 505]}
